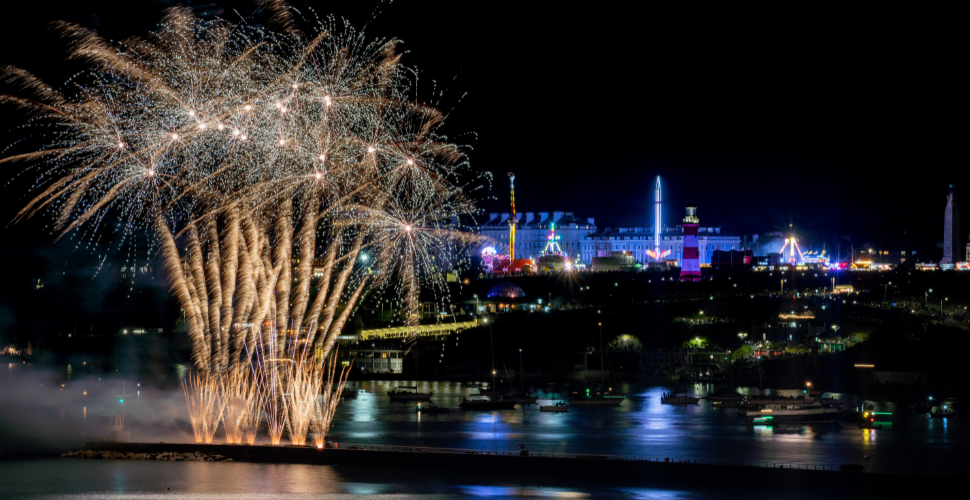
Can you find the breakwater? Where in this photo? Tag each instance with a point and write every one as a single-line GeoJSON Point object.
{"type": "Point", "coordinates": [516, 467]}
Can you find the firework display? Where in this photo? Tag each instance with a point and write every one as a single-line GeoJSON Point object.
{"type": "Point", "coordinates": [269, 165]}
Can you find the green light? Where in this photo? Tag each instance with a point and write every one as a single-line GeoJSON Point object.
{"type": "Point", "coordinates": [122, 400]}
{"type": "Point", "coordinates": [881, 413]}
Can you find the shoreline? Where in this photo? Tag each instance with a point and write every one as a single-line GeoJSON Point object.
{"type": "Point", "coordinates": [494, 467]}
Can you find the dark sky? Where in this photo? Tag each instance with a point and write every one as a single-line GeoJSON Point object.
{"type": "Point", "coordinates": [838, 117]}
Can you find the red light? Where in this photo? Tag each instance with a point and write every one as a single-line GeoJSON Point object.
{"type": "Point", "coordinates": [872, 420]}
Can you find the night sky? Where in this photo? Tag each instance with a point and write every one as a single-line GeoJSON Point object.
{"type": "Point", "coordinates": [837, 118]}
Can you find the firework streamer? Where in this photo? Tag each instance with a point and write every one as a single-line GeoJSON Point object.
{"type": "Point", "coordinates": [241, 395]}
{"type": "Point", "coordinates": [329, 398]}
{"type": "Point", "coordinates": [203, 396]}
{"type": "Point", "coordinates": [270, 371]}
{"type": "Point", "coordinates": [303, 380]}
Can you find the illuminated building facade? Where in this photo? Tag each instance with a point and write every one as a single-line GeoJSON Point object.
{"type": "Point", "coordinates": [638, 241]}
{"type": "Point", "coordinates": [532, 233]}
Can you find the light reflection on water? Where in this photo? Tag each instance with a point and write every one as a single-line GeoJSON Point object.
{"type": "Point", "coordinates": [644, 427]}
{"type": "Point", "coordinates": [142, 480]}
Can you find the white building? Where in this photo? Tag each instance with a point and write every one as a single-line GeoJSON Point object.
{"type": "Point", "coordinates": [532, 233]}
{"type": "Point", "coordinates": [637, 240]}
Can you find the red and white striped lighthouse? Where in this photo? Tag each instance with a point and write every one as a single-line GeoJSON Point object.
{"type": "Point", "coordinates": [690, 265]}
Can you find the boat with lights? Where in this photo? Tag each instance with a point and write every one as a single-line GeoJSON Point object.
{"type": "Point", "coordinates": [796, 410]}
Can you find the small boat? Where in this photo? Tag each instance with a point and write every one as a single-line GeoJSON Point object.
{"type": "Point", "coordinates": [349, 394]}
{"type": "Point", "coordinates": [942, 411]}
{"type": "Point", "coordinates": [673, 399]}
{"type": "Point", "coordinates": [432, 408]}
{"type": "Point", "coordinates": [410, 396]}
{"type": "Point", "coordinates": [559, 407]}
{"type": "Point", "coordinates": [486, 404]}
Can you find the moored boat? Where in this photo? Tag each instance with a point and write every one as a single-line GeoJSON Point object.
{"type": "Point", "coordinates": [796, 410]}
{"type": "Point", "coordinates": [410, 396]}
{"type": "Point", "coordinates": [942, 411]}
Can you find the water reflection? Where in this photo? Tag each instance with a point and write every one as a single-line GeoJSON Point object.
{"type": "Point", "coordinates": [641, 426]}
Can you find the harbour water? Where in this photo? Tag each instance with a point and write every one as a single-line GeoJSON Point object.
{"type": "Point", "coordinates": [644, 427]}
{"type": "Point", "coordinates": [640, 427]}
